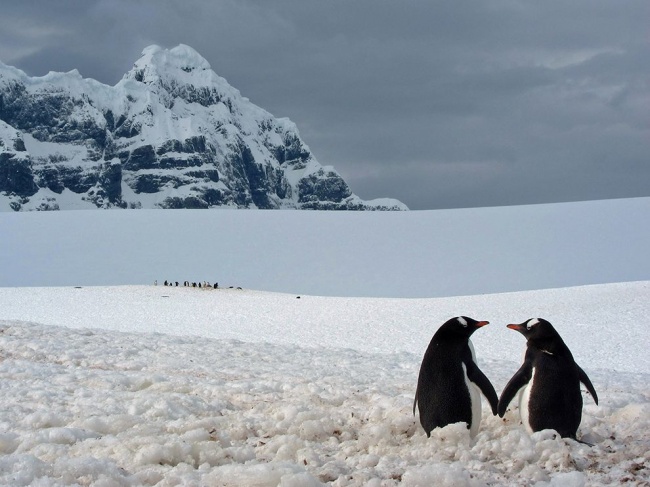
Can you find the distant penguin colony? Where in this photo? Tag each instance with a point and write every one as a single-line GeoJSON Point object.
{"type": "Point", "coordinates": [450, 382]}
{"type": "Point", "coordinates": [199, 284]}
{"type": "Point", "coordinates": [548, 382]}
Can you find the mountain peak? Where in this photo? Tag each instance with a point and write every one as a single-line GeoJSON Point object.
{"type": "Point", "coordinates": [181, 57]}
{"type": "Point", "coordinates": [182, 64]}
{"type": "Point", "coordinates": [172, 135]}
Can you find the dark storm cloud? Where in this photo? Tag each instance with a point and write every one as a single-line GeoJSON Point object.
{"type": "Point", "coordinates": [438, 104]}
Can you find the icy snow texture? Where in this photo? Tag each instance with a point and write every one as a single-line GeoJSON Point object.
{"type": "Point", "coordinates": [300, 398]}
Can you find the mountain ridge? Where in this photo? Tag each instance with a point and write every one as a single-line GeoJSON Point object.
{"type": "Point", "coordinates": [170, 134]}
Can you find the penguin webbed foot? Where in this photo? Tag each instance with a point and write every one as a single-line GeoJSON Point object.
{"type": "Point", "coordinates": [591, 445]}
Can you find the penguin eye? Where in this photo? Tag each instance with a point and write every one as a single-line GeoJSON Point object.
{"type": "Point", "coordinates": [462, 321]}
{"type": "Point", "coordinates": [531, 323]}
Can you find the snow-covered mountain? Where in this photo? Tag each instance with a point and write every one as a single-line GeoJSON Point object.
{"type": "Point", "coordinates": [170, 134]}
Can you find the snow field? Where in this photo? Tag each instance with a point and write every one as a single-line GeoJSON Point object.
{"type": "Point", "coordinates": [416, 254]}
{"type": "Point", "coordinates": [601, 324]}
{"type": "Point", "coordinates": [99, 405]}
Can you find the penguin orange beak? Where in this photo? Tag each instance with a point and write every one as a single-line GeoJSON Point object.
{"type": "Point", "coordinates": [518, 328]}
{"type": "Point", "coordinates": [481, 323]}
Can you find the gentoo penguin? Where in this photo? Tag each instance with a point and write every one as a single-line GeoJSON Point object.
{"type": "Point", "coordinates": [548, 382]}
{"type": "Point", "coordinates": [450, 383]}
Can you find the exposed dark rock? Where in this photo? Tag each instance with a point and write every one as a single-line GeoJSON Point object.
{"type": "Point", "coordinates": [293, 150]}
{"type": "Point", "coordinates": [195, 144]}
{"type": "Point", "coordinates": [19, 145]}
{"type": "Point", "coordinates": [111, 181]}
{"type": "Point", "coordinates": [212, 197]}
{"type": "Point", "coordinates": [189, 203]}
{"type": "Point", "coordinates": [149, 183]}
{"type": "Point", "coordinates": [49, 177]}
{"type": "Point", "coordinates": [322, 186]}
{"type": "Point", "coordinates": [143, 157]}
{"type": "Point", "coordinates": [16, 175]}
{"type": "Point", "coordinates": [206, 175]}
{"type": "Point", "coordinates": [95, 142]}
{"type": "Point", "coordinates": [127, 128]}
{"type": "Point", "coordinates": [170, 146]}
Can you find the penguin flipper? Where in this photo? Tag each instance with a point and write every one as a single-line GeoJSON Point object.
{"type": "Point", "coordinates": [478, 377]}
{"type": "Point", "coordinates": [582, 375]}
{"type": "Point", "coordinates": [417, 394]}
{"type": "Point", "coordinates": [519, 380]}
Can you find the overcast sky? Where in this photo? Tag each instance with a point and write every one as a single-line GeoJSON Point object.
{"type": "Point", "coordinates": [439, 104]}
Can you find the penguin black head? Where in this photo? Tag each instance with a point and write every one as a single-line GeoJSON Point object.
{"type": "Point", "coordinates": [460, 326]}
{"type": "Point", "coordinates": [535, 328]}
{"type": "Point", "coordinates": [541, 334]}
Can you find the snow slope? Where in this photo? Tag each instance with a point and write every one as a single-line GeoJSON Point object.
{"type": "Point", "coordinates": [382, 254]}
{"type": "Point", "coordinates": [152, 385]}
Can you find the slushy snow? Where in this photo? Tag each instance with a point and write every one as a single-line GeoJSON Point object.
{"type": "Point", "coordinates": [238, 387]}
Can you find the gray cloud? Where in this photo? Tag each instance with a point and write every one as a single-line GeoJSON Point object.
{"type": "Point", "coordinates": [438, 104]}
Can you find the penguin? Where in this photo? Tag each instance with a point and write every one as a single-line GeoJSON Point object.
{"type": "Point", "coordinates": [450, 382]}
{"type": "Point", "coordinates": [548, 382]}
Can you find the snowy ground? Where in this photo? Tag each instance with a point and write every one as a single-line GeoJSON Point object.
{"type": "Point", "coordinates": [326, 253]}
{"type": "Point", "coordinates": [146, 385]}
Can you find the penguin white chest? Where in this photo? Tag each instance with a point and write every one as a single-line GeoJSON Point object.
{"type": "Point", "coordinates": [474, 396]}
{"type": "Point", "coordinates": [524, 401]}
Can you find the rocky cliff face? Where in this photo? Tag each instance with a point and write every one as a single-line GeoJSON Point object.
{"type": "Point", "coordinates": [170, 134]}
